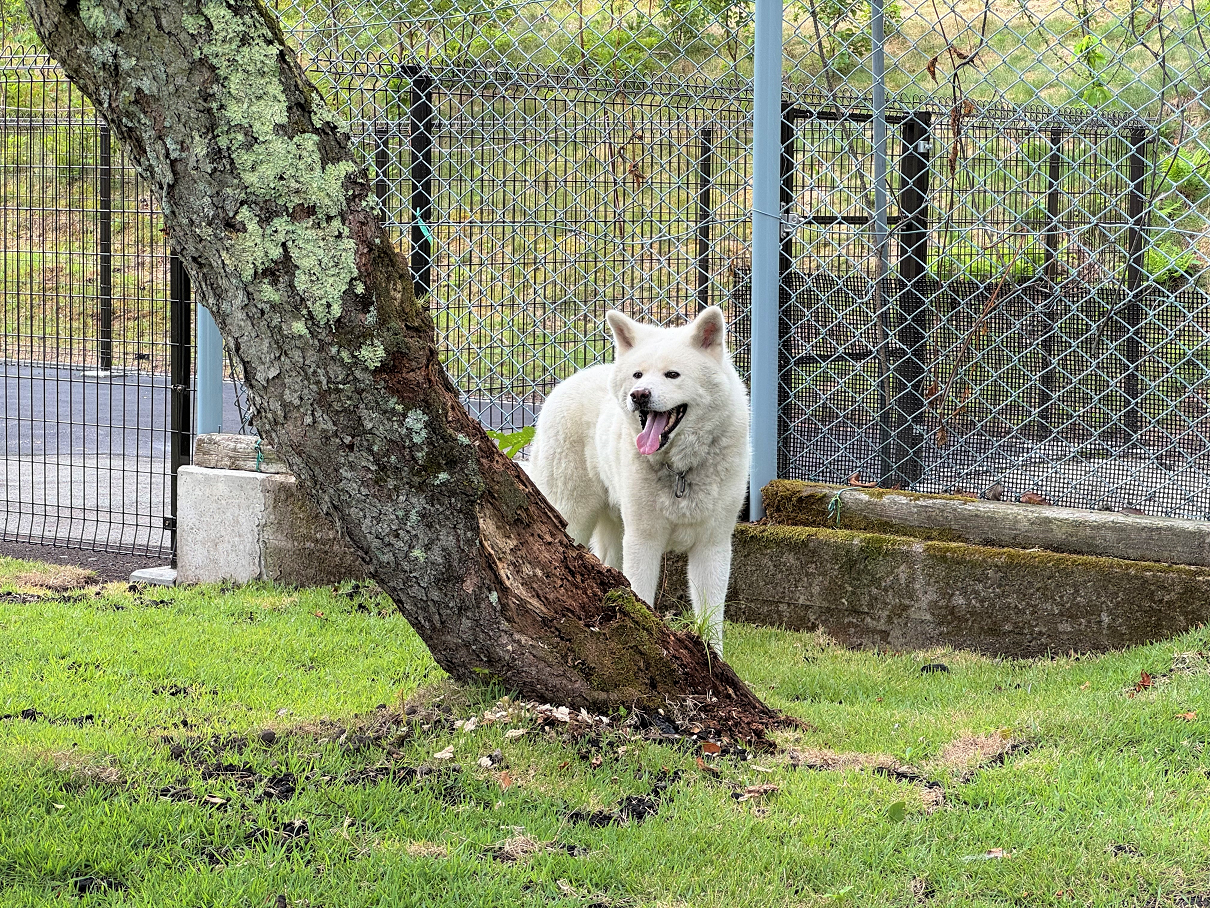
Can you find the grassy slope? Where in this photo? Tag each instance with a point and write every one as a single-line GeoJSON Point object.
{"type": "Point", "coordinates": [1108, 806]}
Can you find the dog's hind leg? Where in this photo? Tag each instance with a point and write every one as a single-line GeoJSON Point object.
{"type": "Point", "coordinates": [709, 571]}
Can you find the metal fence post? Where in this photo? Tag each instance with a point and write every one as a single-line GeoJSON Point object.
{"type": "Point", "coordinates": [1133, 344]}
{"type": "Point", "coordinates": [382, 160]}
{"type": "Point", "coordinates": [705, 177]}
{"type": "Point", "coordinates": [180, 434]}
{"type": "Point", "coordinates": [886, 440]}
{"type": "Point", "coordinates": [766, 247]}
{"type": "Point", "coordinates": [421, 173]}
{"type": "Point", "coordinates": [209, 373]}
{"type": "Point", "coordinates": [105, 249]}
{"type": "Point", "coordinates": [913, 227]}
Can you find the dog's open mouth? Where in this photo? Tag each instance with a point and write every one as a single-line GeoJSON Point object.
{"type": "Point", "coordinates": [657, 427]}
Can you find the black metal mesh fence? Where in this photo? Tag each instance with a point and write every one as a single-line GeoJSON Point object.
{"type": "Point", "coordinates": [85, 343]}
{"type": "Point", "coordinates": [1016, 338]}
{"type": "Point", "coordinates": [530, 203]}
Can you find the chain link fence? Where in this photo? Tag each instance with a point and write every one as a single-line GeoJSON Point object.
{"type": "Point", "coordinates": [1028, 315]}
{"type": "Point", "coordinates": [992, 281]}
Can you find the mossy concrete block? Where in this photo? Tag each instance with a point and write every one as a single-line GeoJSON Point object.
{"type": "Point", "coordinates": [884, 592]}
{"type": "Point", "coordinates": [994, 523]}
{"type": "Point", "coordinates": [235, 525]}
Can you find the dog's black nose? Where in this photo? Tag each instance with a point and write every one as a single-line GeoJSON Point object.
{"type": "Point", "coordinates": [641, 396]}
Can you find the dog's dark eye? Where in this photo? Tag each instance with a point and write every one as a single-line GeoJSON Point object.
{"type": "Point", "coordinates": [672, 375]}
{"type": "Point", "coordinates": [638, 375]}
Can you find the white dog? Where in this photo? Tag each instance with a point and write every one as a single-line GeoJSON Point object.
{"type": "Point", "coordinates": [650, 454]}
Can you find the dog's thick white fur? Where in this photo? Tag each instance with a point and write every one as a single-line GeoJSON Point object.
{"type": "Point", "coordinates": [615, 444]}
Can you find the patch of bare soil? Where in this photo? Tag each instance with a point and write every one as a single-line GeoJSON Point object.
{"type": "Point", "coordinates": [632, 808]}
{"type": "Point", "coordinates": [89, 881]}
{"type": "Point", "coordinates": [964, 757]}
{"type": "Point", "coordinates": [31, 714]}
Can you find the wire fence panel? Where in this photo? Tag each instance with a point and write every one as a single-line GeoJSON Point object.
{"type": "Point", "coordinates": [529, 206]}
{"type": "Point", "coordinates": [1026, 316]}
{"type": "Point", "coordinates": [85, 342]}
{"type": "Point", "coordinates": [1032, 322]}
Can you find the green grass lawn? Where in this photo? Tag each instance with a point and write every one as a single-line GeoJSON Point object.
{"type": "Point", "coordinates": [253, 746]}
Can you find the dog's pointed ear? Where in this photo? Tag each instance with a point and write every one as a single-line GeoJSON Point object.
{"type": "Point", "coordinates": [709, 331]}
{"type": "Point", "coordinates": [625, 330]}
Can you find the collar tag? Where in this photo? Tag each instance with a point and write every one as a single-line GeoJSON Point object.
{"type": "Point", "coordinates": [680, 486]}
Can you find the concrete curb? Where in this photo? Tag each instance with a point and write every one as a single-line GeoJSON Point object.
{"type": "Point", "coordinates": [994, 523]}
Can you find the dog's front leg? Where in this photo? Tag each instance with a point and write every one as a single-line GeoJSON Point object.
{"type": "Point", "coordinates": [709, 571]}
{"type": "Point", "coordinates": [642, 557]}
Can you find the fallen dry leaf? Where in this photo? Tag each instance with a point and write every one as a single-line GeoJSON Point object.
{"type": "Point", "coordinates": [1189, 716]}
{"type": "Point", "coordinates": [705, 767]}
{"type": "Point", "coordinates": [755, 791]}
{"type": "Point", "coordinates": [856, 481]}
{"type": "Point", "coordinates": [1033, 498]}
{"type": "Point", "coordinates": [515, 733]}
{"type": "Point", "coordinates": [505, 780]}
{"type": "Point", "coordinates": [931, 69]}
{"type": "Point", "coordinates": [1086, 685]}
{"type": "Point", "coordinates": [710, 749]}
{"type": "Point", "coordinates": [1145, 681]}
{"type": "Point", "coordinates": [446, 754]}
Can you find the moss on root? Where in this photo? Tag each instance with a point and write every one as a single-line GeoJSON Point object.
{"type": "Point", "coordinates": [622, 657]}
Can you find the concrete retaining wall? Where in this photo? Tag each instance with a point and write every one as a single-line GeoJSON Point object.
{"type": "Point", "coordinates": [872, 590]}
{"type": "Point", "coordinates": [873, 583]}
{"type": "Point", "coordinates": [998, 523]}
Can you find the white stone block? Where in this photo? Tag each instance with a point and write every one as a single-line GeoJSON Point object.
{"type": "Point", "coordinates": [239, 526]}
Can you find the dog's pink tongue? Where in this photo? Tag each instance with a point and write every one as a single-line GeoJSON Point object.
{"type": "Point", "coordinates": [649, 439]}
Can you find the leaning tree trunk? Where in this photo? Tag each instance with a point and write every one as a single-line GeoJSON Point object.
{"type": "Point", "coordinates": [274, 219]}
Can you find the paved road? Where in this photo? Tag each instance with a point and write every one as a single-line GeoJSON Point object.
{"type": "Point", "coordinates": [86, 456]}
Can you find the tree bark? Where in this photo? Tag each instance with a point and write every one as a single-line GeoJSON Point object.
{"type": "Point", "coordinates": [264, 202]}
